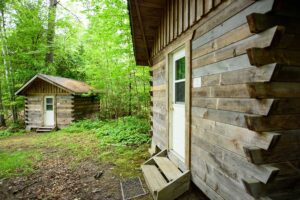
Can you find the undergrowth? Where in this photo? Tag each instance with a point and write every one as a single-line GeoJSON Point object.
{"type": "Point", "coordinates": [123, 131]}
{"type": "Point", "coordinates": [7, 133]}
{"type": "Point", "coordinates": [17, 163]}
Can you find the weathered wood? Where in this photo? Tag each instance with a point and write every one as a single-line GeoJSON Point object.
{"type": "Point", "coordinates": [277, 155]}
{"type": "Point", "coordinates": [249, 75]}
{"type": "Point", "coordinates": [251, 90]}
{"type": "Point", "coordinates": [259, 22]}
{"type": "Point", "coordinates": [170, 171]}
{"type": "Point", "coordinates": [232, 36]}
{"type": "Point", "coordinates": [154, 179]}
{"type": "Point", "coordinates": [231, 64]}
{"type": "Point", "coordinates": [263, 40]}
{"type": "Point", "coordinates": [251, 106]}
{"type": "Point", "coordinates": [175, 188]}
{"type": "Point", "coordinates": [259, 56]}
{"type": "Point", "coordinates": [273, 122]}
{"type": "Point", "coordinates": [231, 161]}
{"type": "Point", "coordinates": [262, 140]}
{"type": "Point", "coordinates": [205, 188]}
{"type": "Point", "coordinates": [232, 23]}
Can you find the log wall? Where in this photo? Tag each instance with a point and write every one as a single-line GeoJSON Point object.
{"type": "Point", "coordinates": [64, 110]}
{"type": "Point", "coordinates": [245, 114]}
{"type": "Point", "coordinates": [34, 111]}
{"type": "Point", "coordinates": [85, 107]}
{"type": "Point", "coordinates": [67, 107]}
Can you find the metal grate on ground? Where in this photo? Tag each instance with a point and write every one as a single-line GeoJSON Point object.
{"type": "Point", "coordinates": [132, 188]}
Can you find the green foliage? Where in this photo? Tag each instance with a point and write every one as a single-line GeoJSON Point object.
{"type": "Point", "coordinates": [97, 49]}
{"type": "Point", "coordinates": [17, 163]}
{"type": "Point", "coordinates": [7, 133]}
{"type": "Point", "coordinates": [126, 131]}
{"type": "Point", "coordinates": [122, 131]}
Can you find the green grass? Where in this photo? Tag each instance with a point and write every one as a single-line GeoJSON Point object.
{"type": "Point", "coordinates": [8, 133]}
{"type": "Point", "coordinates": [17, 163]}
{"type": "Point", "coordinates": [122, 142]}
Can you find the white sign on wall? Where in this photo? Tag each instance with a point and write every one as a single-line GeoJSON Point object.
{"type": "Point", "coordinates": [197, 82]}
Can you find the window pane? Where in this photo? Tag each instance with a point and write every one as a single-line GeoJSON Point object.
{"type": "Point", "coordinates": [49, 107]}
{"type": "Point", "coordinates": [179, 92]}
{"type": "Point", "coordinates": [180, 68]}
{"type": "Point", "coordinates": [49, 100]}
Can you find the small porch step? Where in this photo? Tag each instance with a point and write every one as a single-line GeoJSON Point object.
{"type": "Point", "coordinates": [154, 178]}
{"type": "Point", "coordinates": [164, 179]}
{"type": "Point", "coordinates": [168, 168]}
{"type": "Point", "coordinates": [44, 129]}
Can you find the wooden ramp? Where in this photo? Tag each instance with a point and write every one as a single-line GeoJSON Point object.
{"type": "Point", "coordinates": [164, 179]}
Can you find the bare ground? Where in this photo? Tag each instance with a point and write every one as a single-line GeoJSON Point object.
{"type": "Point", "coordinates": [64, 174]}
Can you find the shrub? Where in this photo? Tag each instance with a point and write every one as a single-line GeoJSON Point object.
{"type": "Point", "coordinates": [123, 131]}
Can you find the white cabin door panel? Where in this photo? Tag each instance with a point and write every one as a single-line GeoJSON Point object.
{"type": "Point", "coordinates": [177, 111]}
{"type": "Point", "coordinates": [49, 111]}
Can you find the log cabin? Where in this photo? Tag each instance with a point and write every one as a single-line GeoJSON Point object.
{"type": "Point", "coordinates": [54, 102]}
{"type": "Point", "coordinates": [225, 96]}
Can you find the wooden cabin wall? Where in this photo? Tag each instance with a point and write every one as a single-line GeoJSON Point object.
{"type": "Point", "coordinates": [33, 111]}
{"type": "Point", "coordinates": [85, 107]}
{"type": "Point", "coordinates": [178, 17]}
{"type": "Point", "coordinates": [159, 103]}
{"type": "Point", "coordinates": [64, 110]}
{"type": "Point", "coordinates": [248, 99]}
{"type": "Point", "coordinates": [39, 86]}
{"type": "Point", "coordinates": [245, 115]}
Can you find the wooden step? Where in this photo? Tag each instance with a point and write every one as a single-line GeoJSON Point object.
{"type": "Point", "coordinates": [44, 129]}
{"type": "Point", "coordinates": [168, 168]}
{"type": "Point", "coordinates": [154, 178]}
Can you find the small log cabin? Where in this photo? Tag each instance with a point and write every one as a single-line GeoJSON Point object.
{"type": "Point", "coordinates": [54, 102]}
{"type": "Point", "coordinates": [225, 96]}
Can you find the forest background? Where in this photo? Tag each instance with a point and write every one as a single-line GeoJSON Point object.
{"type": "Point", "coordinates": [88, 40]}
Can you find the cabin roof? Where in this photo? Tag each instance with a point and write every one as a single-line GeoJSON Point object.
{"type": "Point", "coordinates": [72, 86]}
{"type": "Point", "coordinates": [145, 17]}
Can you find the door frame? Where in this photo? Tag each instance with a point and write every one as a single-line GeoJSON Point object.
{"type": "Point", "coordinates": [54, 109]}
{"type": "Point", "coordinates": [169, 63]}
{"type": "Point", "coordinates": [174, 56]}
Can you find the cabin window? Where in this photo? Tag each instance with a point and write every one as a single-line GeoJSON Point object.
{"type": "Point", "coordinates": [49, 104]}
{"type": "Point", "coordinates": [180, 80]}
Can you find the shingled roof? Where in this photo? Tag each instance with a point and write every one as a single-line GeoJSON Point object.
{"type": "Point", "coordinates": [70, 85]}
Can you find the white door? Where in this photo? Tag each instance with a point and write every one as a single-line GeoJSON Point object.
{"type": "Point", "coordinates": [49, 111]}
{"type": "Point", "coordinates": [178, 104]}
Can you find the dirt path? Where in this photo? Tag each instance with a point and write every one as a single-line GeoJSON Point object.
{"type": "Point", "coordinates": [60, 174]}
{"type": "Point", "coordinates": [65, 166]}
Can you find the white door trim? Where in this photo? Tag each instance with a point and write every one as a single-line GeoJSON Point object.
{"type": "Point", "coordinates": [49, 109]}
{"type": "Point", "coordinates": [177, 134]}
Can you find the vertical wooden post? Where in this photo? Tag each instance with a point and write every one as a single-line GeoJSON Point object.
{"type": "Point", "coordinates": [188, 85]}
{"type": "Point", "coordinates": [167, 100]}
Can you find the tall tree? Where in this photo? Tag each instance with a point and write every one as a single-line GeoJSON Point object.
{"type": "Point", "coordinates": [49, 58]}
{"type": "Point", "coordinates": [9, 72]}
{"type": "Point", "coordinates": [2, 118]}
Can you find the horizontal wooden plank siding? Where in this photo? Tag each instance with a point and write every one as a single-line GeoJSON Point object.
{"type": "Point", "coordinates": [159, 107]}
{"type": "Point", "coordinates": [245, 94]}
{"type": "Point", "coordinates": [64, 110]}
{"type": "Point", "coordinates": [241, 99]}
{"type": "Point", "coordinates": [85, 107]}
{"type": "Point", "coordinates": [34, 111]}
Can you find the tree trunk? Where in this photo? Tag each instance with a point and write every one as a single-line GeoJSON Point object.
{"type": "Point", "coordinates": [9, 72]}
{"type": "Point", "coordinates": [2, 119]}
{"type": "Point", "coordinates": [49, 58]}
